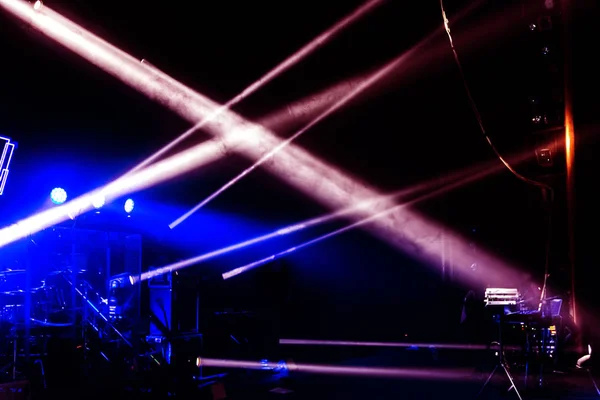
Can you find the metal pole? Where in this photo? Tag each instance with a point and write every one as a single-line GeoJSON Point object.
{"type": "Point", "coordinates": [29, 255]}
{"type": "Point", "coordinates": [569, 147]}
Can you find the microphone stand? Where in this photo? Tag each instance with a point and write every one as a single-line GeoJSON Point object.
{"type": "Point", "coordinates": [501, 363]}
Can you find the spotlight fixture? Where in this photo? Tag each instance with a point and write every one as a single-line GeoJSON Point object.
{"type": "Point", "coordinates": [37, 5]}
{"type": "Point", "coordinates": [98, 201]}
{"type": "Point", "coordinates": [119, 295]}
{"type": "Point", "coordinates": [129, 204]}
{"type": "Point", "coordinates": [58, 195]}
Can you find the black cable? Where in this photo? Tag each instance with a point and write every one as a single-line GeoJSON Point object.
{"type": "Point", "coordinates": [544, 187]}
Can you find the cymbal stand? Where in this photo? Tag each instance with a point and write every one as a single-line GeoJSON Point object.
{"type": "Point", "coordinates": [501, 364]}
{"type": "Point", "coordinates": [12, 366]}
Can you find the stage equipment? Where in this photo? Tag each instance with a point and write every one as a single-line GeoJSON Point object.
{"type": "Point", "coordinates": [496, 300]}
{"type": "Point", "coordinates": [128, 207]}
{"type": "Point", "coordinates": [120, 294]}
{"type": "Point", "coordinates": [98, 201]}
{"type": "Point", "coordinates": [179, 348]}
{"type": "Point", "coordinates": [58, 195]}
{"type": "Point", "coordinates": [174, 338]}
{"type": "Point", "coordinates": [5, 160]}
{"type": "Point", "coordinates": [300, 168]}
{"type": "Point", "coordinates": [97, 320]}
{"type": "Point", "coordinates": [501, 297]}
{"type": "Point", "coordinates": [174, 305]}
{"type": "Point", "coordinates": [80, 271]}
{"type": "Point", "coordinates": [539, 328]}
{"type": "Point", "coordinates": [61, 301]}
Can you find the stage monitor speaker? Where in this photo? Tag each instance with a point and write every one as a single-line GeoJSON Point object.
{"type": "Point", "coordinates": [174, 306]}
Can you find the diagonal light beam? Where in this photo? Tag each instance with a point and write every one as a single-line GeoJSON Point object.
{"type": "Point", "coordinates": [409, 196]}
{"type": "Point", "coordinates": [427, 189]}
{"type": "Point", "coordinates": [288, 63]}
{"type": "Point", "coordinates": [360, 88]}
{"type": "Point", "coordinates": [414, 233]}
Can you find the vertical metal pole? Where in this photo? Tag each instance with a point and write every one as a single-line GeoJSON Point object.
{"type": "Point", "coordinates": [198, 311]}
{"type": "Point", "coordinates": [443, 254]}
{"type": "Point", "coordinates": [27, 313]}
{"type": "Point", "coordinates": [569, 147]}
{"type": "Point", "coordinates": [108, 267]}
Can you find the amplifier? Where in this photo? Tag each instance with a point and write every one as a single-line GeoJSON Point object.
{"type": "Point", "coordinates": [174, 306]}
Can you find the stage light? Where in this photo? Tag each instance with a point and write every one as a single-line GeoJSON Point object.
{"type": "Point", "coordinates": [119, 295]}
{"type": "Point", "coordinates": [300, 168]}
{"type": "Point", "coordinates": [457, 375]}
{"type": "Point", "coordinates": [37, 5]}
{"type": "Point", "coordinates": [129, 204]}
{"type": "Point", "coordinates": [58, 195]}
{"type": "Point", "coordinates": [98, 201]}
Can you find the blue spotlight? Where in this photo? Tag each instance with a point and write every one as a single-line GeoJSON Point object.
{"type": "Point", "coordinates": [98, 201]}
{"type": "Point", "coordinates": [58, 195]}
{"type": "Point", "coordinates": [129, 206]}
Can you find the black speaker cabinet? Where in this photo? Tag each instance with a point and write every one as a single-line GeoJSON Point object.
{"type": "Point", "coordinates": [174, 306]}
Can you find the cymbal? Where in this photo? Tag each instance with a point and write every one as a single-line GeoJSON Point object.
{"type": "Point", "coordinates": [12, 272]}
{"type": "Point", "coordinates": [21, 291]}
{"type": "Point", "coordinates": [13, 292]}
{"type": "Point", "coordinates": [66, 271]}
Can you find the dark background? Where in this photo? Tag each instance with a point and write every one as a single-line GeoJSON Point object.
{"type": "Point", "coordinates": [78, 127]}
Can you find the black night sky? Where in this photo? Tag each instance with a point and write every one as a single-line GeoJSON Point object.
{"type": "Point", "coordinates": [76, 124]}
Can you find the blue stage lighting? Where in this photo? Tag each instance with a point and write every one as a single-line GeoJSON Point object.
{"type": "Point", "coordinates": [129, 206]}
{"type": "Point", "coordinates": [58, 195]}
{"type": "Point", "coordinates": [98, 201]}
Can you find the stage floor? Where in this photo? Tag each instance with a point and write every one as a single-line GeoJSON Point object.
{"type": "Point", "coordinates": [568, 384]}
{"type": "Point", "coordinates": [576, 384]}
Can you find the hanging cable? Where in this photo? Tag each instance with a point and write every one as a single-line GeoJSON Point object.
{"type": "Point", "coordinates": [546, 189]}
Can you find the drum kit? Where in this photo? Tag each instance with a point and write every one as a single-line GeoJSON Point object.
{"type": "Point", "coordinates": [57, 301]}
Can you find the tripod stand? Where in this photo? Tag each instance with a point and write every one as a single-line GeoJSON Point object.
{"type": "Point", "coordinates": [501, 363]}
